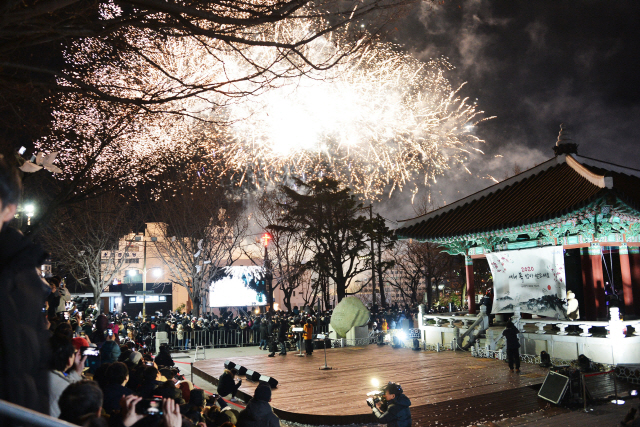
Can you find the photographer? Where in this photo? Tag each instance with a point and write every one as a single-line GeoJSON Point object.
{"type": "Point", "coordinates": [227, 385]}
{"type": "Point", "coordinates": [397, 413]}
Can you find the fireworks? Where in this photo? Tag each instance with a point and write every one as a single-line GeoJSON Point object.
{"type": "Point", "coordinates": [378, 120]}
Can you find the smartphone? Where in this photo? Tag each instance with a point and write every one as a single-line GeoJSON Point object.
{"type": "Point", "coordinates": [149, 407]}
{"type": "Point", "coordinates": [148, 363]}
{"type": "Point", "coordinates": [110, 332]}
{"type": "Point", "coordinates": [89, 351]}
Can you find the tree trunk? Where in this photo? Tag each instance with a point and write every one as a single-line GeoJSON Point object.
{"type": "Point", "coordinates": [96, 302]}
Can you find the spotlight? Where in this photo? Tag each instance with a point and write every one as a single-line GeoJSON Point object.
{"type": "Point", "coordinates": [396, 342]}
{"type": "Point", "coordinates": [375, 382]}
{"type": "Point", "coordinates": [618, 402]}
{"type": "Point", "coordinates": [633, 393]}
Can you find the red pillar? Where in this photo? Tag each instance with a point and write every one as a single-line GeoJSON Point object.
{"type": "Point", "coordinates": [589, 306]}
{"type": "Point", "coordinates": [627, 287]}
{"type": "Point", "coordinates": [634, 264]}
{"type": "Point", "coordinates": [600, 298]}
{"type": "Point", "coordinates": [471, 292]}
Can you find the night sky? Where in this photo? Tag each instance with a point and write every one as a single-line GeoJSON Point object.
{"type": "Point", "coordinates": [534, 65]}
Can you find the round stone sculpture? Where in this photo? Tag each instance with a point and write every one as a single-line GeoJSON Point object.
{"type": "Point", "coordinates": [348, 313]}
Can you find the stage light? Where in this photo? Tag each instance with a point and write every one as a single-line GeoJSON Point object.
{"type": "Point", "coordinates": [229, 364]}
{"type": "Point", "coordinates": [618, 402]}
{"type": "Point", "coordinates": [257, 311]}
{"type": "Point", "coordinates": [416, 344]}
{"type": "Point", "coordinates": [375, 382]}
{"type": "Point", "coordinates": [402, 335]}
{"type": "Point", "coordinates": [633, 393]}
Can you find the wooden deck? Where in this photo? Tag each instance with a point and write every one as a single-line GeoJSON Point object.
{"type": "Point", "coordinates": [447, 388]}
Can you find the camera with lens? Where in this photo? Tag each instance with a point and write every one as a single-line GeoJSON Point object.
{"type": "Point", "coordinates": [375, 397]}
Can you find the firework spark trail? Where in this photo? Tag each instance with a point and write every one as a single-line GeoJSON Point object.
{"type": "Point", "coordinates": [377, 121]}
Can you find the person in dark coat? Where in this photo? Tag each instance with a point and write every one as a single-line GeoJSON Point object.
{"type": "Point", "coordinates": [227, 385]}
{"type": "Point", "coordinates": [164, 357]}
{"type": "Point", "coordinates": [282, 336]}
{"type": "Point", "coordinates": [398, 413]}
{"type": "Point", "coordinates": [264, 333]}
{"type": "Point", "coordinates": [24, 342]}
{"type": "Point", "coordinates": [258, 412]}
{"type": "Point", "coordinates": [513, 345]}
{"type": "Point", "coordinates": [116, 376]}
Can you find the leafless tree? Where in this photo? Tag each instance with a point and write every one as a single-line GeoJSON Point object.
{"type": "Point", "coordinates": [49, 47]}
{"type": "Point", "coordinates": [288, 249]}
{"type": "Point", "coordinates": [85, 238]}
{"type": "Point", "coordinates": [203, 228]}
{"type": "Point", "coordinates": [416, 264]}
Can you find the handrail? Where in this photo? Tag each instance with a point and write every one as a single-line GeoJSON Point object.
{"type": "Point", "coordinates": [30, 416]}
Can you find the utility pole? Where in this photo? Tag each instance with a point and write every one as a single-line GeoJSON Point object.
{"type": "Point", "coordinates": [373, 269]}
{"type": "Point", "coordinates": [267, 267]}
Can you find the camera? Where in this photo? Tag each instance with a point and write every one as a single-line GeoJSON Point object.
{"type": "Point", "coordinates": [149, 407]}
{"type": "Point", "coordinates": [375, 397]}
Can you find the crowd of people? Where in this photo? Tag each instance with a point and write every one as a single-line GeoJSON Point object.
{"type": "Point", "coordinates": [64, 359]}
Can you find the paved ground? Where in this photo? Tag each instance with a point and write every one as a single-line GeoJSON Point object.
{"type": "Point", "coordinates": [596, 416]}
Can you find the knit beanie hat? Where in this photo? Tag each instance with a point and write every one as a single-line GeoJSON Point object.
{"type": "Point", "coordinates": [135, 357]}
{"type": "Point", "coordinates": [263, 392]}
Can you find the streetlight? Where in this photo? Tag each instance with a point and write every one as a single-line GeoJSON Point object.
{"type": "Point", "coordinates": [144, 274]}
{"type": "Point", "coordinates": [30, 210]}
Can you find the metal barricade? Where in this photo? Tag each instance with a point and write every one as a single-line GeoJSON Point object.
{"type": "Point", "coordinates": [218, 338]}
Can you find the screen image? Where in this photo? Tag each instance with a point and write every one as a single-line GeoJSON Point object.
{"type": "Point", "coordinates": [236, 287]}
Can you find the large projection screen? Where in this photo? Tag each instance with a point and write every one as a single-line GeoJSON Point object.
{"type": "Point", "coordinates": [231, 288]}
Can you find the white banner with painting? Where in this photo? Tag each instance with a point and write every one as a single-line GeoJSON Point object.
{"type": "Point", "coordinates": [532, 279]}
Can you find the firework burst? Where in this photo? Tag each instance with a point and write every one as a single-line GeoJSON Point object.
{"type": "Point", "coordinates": [372, 117]}
{"type": "Point", "coordinates": [381, 120]}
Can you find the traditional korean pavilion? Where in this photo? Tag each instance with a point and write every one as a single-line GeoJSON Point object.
{"type": "Point", "coordinates": [590, 207]}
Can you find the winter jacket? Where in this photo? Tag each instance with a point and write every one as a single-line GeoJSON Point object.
{"type": "Point", "coordinates": [398, 413]}
{"type": "Point", "coordinates": [164, 359]}
{"type": "Point", "coordinates": [58, 382]}
{"type": "Point", "coordinates": [226, 384]}
{"type": "Point", "coordinates": [24, 347]}
{"type": "Point", "coordinates": [257, 414]}
{"type": "Point", "coordinates": [511, 334]}
{"type": "Point", "coordinates": [112, 395]}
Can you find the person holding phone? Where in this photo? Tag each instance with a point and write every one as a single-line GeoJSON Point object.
{"type": "Point", "coordinates": [110, 350]}
{"type": "Point", "coordinates": [24, 336]}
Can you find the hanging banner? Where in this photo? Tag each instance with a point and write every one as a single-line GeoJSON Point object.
{"type": "Point", "coordinates": [532, 279]}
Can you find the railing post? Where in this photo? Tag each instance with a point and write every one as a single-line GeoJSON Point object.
{"type": "Point", "coordinates": [584, 391]}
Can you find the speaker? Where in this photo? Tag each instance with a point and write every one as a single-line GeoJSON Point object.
{"type": "Point", "coordinates": [242, 370]}
{"type": "Point", "coordinates": [252, 375]}
{"type": "Point", "coordinates": [554, 387]}
{"type": "Point", "coordinates": [229, 364]}
{"type": "Point", "coordinates": [269, 380]}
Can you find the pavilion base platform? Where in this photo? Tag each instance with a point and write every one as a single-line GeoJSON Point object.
{"type": "Point", "coordinates": [446, 388]}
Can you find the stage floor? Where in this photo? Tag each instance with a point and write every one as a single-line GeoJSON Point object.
{"type": "Point", "coordinates": [433, 382]}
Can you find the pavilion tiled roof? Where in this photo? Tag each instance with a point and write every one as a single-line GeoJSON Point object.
{"type": "Point", "coordinates": [556, 187]}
